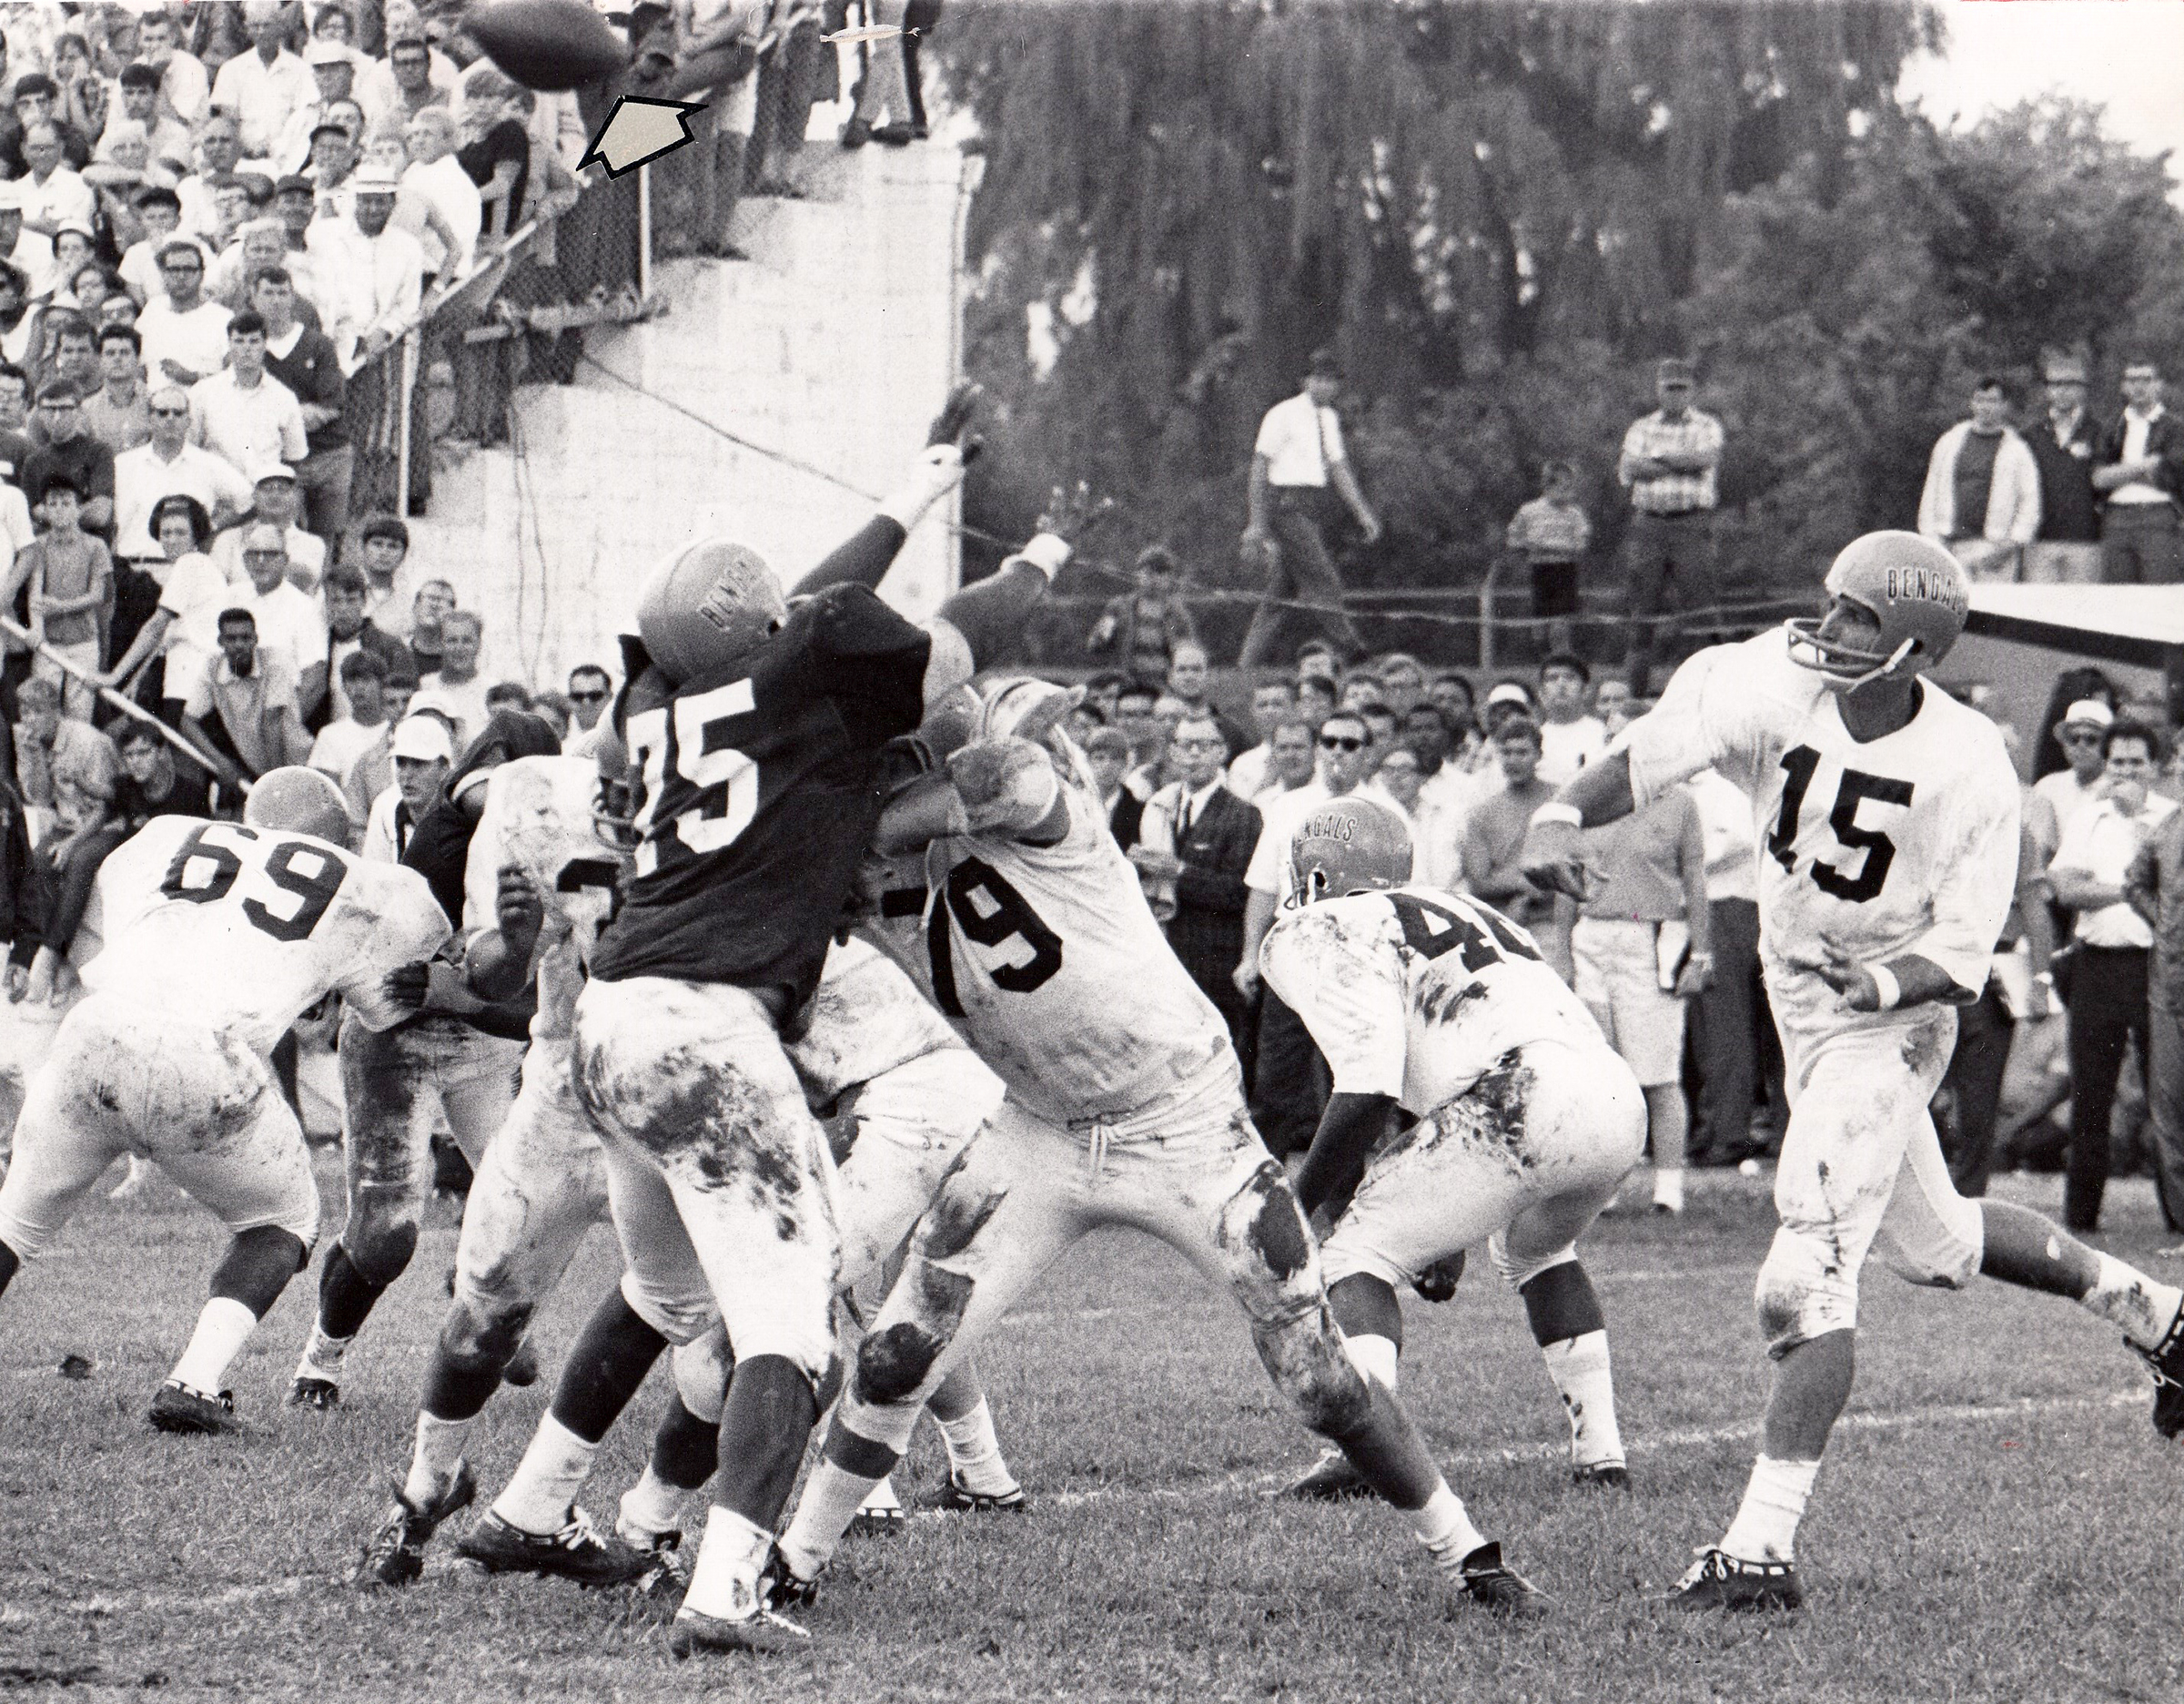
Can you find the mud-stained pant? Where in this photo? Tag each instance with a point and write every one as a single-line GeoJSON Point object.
{"type": "Point", "coordinates": [542, 1184]}
{"type": "Point", "coordinates": [1861, 1159]}
{"type": "Point", "coordinates": [392, 1080]}
{"type": "Point", "coordinates": [199, 1103]}
{"type": "Point", "coordinates": [1527, 1157]}
{"type": "Point", "coordinates": [716, 1167]}
{"type": "Point", "coordinates": [1188, 1169]}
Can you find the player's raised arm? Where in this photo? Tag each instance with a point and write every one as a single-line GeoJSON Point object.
{"type": "Point", "coordinates": [997, 752]}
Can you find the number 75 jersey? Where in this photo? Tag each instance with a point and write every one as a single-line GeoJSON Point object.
{"type": "Point", "coordinates": [1868, 849]}
{"type": "Point", "coordinates": [245, 928]}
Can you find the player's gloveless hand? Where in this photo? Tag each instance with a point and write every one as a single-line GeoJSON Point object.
{"type": "Point", "coordinates": [1553, 860]}
{"type": "Point", "coordinates": [406, 985]}
{"type": "Point", "coordinates": [1437, 1282]}
{"type": "Point", "coordinates": [1853, 983]}
{"type": "Point", "coordinates": [517, 908]}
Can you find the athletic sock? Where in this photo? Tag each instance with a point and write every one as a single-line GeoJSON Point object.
{"type": "Point", "coordinates": [1580, 1369]}
{"type": "Point", "coordinates": [2125, 1296]}
{"type": "Point", "coordinates": [322, 1356]}
{"type": "Point", "coordinates": [1766, 1527]}
{"type": "Point", "coordinates": [1375, 1356]}
{"type": "Point", "coordinates": [223, 1328]}
{"type": "Point", "coordinates": [652, 1507]}
{"type": "Point", "coordinates": [832, 1496]}
{"type": "Point", "coordinates": [1445, 1528]}
{"type": "Point", "coordinates": [436, 1459]}
{"type": "Point", "coordinates": [733, 1550]}
{"type": "Point", "coordinates": [975, 1453]}
{"type": "Point", "coordinates": [546, 1481]}
{"type": "Point", "coordinates": [1668, 1187]}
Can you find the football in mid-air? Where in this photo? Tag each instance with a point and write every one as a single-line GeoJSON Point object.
{"type": "Point", "coordinates": [546, 45]}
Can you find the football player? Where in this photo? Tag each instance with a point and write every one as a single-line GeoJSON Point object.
{"type": "Point", "coordinates": [757, 733]}
{"type": "Point", "coordinates": [217, 937]}
{"type": "Point", "coordinates": [1887, 819]}
{"type": "Point", "coordinates": [459, 1056]}
{"type": "Point", "coordinates": [1125, 1107]}
{"type": "Point", "coordinates": [1520, 1120]}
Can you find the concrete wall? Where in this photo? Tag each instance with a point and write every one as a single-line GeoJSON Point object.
{"type": "Point", "coordinates": [827, 352]}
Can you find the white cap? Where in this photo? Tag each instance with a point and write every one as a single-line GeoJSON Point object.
{"type": "Point", "coordinates": [424, 738]}
{"type": "Point", "coordinates": [374, 180]}
{"type": "Point", "coordinates": [323, 52]}
{"type": "Point", "coordinates": [2089, 710]}
{"type": "Point", "coordinates": [1509, 692]}
{"type": "Point", "coordinates": [271, 469]}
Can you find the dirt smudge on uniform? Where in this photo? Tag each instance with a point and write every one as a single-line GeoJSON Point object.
{"type": "Point", "coordinates": [1277, 1229]}
{"type": "Point", "coordinates": [1922, 1048]}
{"type": "Point", "coordinates": [893, 1362]}
{"type": "Point", "coordinates": [1445, 1002]}
{"type": "Point", "coordinates": [955, 1217]}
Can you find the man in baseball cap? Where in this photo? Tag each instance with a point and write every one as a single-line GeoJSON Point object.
{"type": "Point", "coordinates": [423, 753]}
{"type": "Point", "coordinates": [2058, 798]}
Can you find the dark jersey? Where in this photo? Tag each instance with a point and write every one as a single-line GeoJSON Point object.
{"type": "Point", "coordinates": [759, 790]}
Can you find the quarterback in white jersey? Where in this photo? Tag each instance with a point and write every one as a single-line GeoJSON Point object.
{"type": "Point", "coordinates": [1126, 1108]}
{"type": "Point", "coordinates": [217, 937]}
{"type": "Point", "coordinates": [1519, 1121]}
{"type": "Point", "coordinates": [1887, 817]}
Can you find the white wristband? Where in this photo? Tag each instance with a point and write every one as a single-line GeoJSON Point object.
{"type": "Point", "coordinates": [1555, 811]}
{"type": "Point", "coordinates": [1891, 991]}
{"type": "Point", "coordinates": [1046, 553]}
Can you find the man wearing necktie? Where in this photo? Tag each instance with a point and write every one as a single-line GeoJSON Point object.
{"type": "Point", "coordinates": [1298, 469]}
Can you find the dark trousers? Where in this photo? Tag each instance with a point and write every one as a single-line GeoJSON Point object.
{"type": "Point", "coordinates": [2165, 1097]}
{"type": "Point", "coordinates": [1973, 1086]}
{"type": "Point", "coordinates": [1303, 572]}
{"type": "Point", "coordinates": [1668, 564]}
{"type": "Point", "coordinates": [2107, 1001]}
{"type": "Point", "coordinates": [1726, 1021]}
{"type": "Point", "coordinates": [2141, 544]}
{"type": "Point", "coordinates": [1292, 1083]}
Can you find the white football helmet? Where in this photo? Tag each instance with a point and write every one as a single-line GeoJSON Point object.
{"type": "Point", "coordinates": [294, 799]}
{"type": "Point", "coordinates": [1913, 587]}
{"type": "Point", "coordinates": [706, 605]}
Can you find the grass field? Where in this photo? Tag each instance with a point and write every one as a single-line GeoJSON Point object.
{"type": "Point", "coordinates": [1996, 1519]}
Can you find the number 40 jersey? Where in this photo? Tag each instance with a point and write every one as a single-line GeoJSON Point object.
{"type": "Point", "coordinates": [1415, 993]}
{"type": "Point", "coordinates": [1868, 849]}
{"type": "Point", "coordinates": [245, 928]}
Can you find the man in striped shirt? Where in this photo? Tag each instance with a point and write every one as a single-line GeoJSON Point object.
{"type": "Point", "coordinates": [1668, 464]}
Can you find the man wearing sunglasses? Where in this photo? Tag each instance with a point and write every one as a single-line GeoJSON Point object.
{"type": "Point", "coordinates": [1291, 1084]}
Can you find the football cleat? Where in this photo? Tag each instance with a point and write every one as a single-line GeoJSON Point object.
{"type": "Point", "coordinates": [671, 1564]}
{"type": "Point", "coordinates": [1601, 1476]}
{"type": "Point", "coordinates": [179, 1408]}
{"type": "Point", "coordinates": [752, 1627]}
{"type": "Point", "coordinates": [1488, 1581]}
{"type": "Point", "coordinates": [577, 1551]}
{"type": "Point", "coordinates": [396, 1552]}
{"type": "Point", "coordinates": [1718, 1580]}
{"type": "Point", "coordinates": [1331, 1480]}
{"type": "Point", "coordinates": [2166, 1361]}
{"type": "Point", "coordinates": [780, 1587]}
{"type": "Point", "coordinates": [960, 1500]}
{"type": "Point", "coordinates": [314, 1393]}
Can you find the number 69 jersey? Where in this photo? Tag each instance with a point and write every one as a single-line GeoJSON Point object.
{"type": "Point", "coordinates": [1416, 993]}
{"type": "Point", "coordinates": [1049, 961]}
{"type": "Point", "coordinates": [244, 928]}
{"type": "Point", "coordinates": [1868, 849]}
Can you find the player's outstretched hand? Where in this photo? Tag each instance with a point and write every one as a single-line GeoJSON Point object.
{"type": "Point", "coordinates": [406, 985]}
{"type": "Point", "coordinates": [1437, 1282]}
{"type": "Point", "coordinates": [517, 908]}
{"type": "Point", "coordinates": [952, 425]}
{"type": "Point", "coordinates": [1553, 860]}
{"type": "Point", "coordinates": [1073, 514]}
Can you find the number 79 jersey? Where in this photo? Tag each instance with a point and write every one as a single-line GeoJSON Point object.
{"type": "Point", "coordinates": [1868, 849]}
{"type": "Point", "coordinates": [1049, 961]}
{"type": "Point", "coordinates": [1415, 993]}
{"type": "Point", "coordinates": [245, 928]}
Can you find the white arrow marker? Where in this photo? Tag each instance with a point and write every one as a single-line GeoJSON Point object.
{"type": "Point", "coordinates": [869, 33]}
{"type": "Point", "coordinates": [640, 130]}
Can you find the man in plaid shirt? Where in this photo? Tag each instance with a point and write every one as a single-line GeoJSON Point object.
{"type": "Point", "coordinates": [1668, 463]}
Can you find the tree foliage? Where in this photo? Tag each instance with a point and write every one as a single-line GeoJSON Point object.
{"type": "Point", "coordinates": [1500, 215]}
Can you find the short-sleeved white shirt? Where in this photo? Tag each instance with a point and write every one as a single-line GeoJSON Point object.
{"type": "Point", "coordinates": [1300, 440]}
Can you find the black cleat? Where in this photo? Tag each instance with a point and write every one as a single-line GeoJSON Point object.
{"type": "Point", "coordinates": [1489, 1582]}
{"type": "Point", "coordinates": [780, 1587]}
{"type": "Point", "coordinates": [755, 1625]}
{"type": "Point", "coordinates": [2166, 1361]}
{"type": "Point", "coordinates": [1601, 1476]}
{"type": "Point", "coordinates": [1333, 1479]}
{"type": "Point", "coordinates": [179, 1408]}
{"type": "Point", "coordinates": [314, 1393]}
{"type": "Point", "coordinates": [671, 1564]}
{"type": "Point", "coordinates": [1718, 1580]}
{"type": "Point", "coordinates": [576, 1552]}
{"type": "Point", "coordinates": [396, 1552]}
{"type": "Point", "coordinates": [960, 1500]}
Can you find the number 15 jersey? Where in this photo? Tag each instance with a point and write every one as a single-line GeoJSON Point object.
{"type": "Point", "coordinates": [245, 928]}
{"type": "Point", "coordinates": [1868, 849]}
